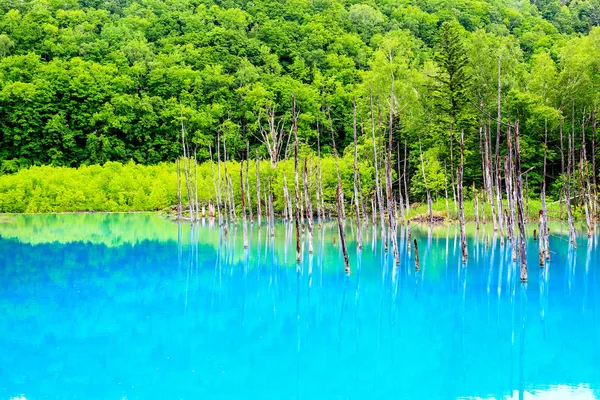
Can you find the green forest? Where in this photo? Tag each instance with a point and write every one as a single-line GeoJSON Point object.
{"type": "Point", "coordinates": [102, 85]}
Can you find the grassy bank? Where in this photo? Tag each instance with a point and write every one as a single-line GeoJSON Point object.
{"type": "Point", "coordinates": [115, 187]}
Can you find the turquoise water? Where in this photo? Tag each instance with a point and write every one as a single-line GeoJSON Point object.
{"type": "Point", "coordinates": [136, 307]}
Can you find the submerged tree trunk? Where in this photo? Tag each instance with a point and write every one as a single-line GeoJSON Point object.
{"type": "Point", "coordinates": [341, 229]}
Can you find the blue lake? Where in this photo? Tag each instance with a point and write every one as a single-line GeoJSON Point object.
{"type": "Point", "coordinates": [136, 307]}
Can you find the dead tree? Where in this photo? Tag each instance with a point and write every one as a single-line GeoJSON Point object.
{"type": "Point", "coordinates": [400, 200]}
{"type": "Point", "coordinates": [309, 212]}
{"type": "Point", "coordinates": [417, 262]}
{"type": "Point", "coordinates": [489, 174]}
{"type": "Point", "coordinates": [407, 203]}
{"type": "Point", "coordinates": [179, 205]}
{"type": "Point", "coordinates": [544, 213]}
{"type": "Point", "coordinates": [258, 210]}
{"type": "Point", "coordinates": [242, 195]}
{"type": "Point", "coordinates": [498, 169]}
{"type": "Point", "coordinates": [521, 206]}
{"type": "Point", "coordinates": [476, 206]}
{"type": "Point", "coordinates": [248, 182]}
{"type": "Point", "coordinates": [337, 168]}
{"type": "Point", "coordinates": [567, 189]}
{"type": "Point", "coordinates": [356, 202]}
{"type": "Point", "coordinates": [273, 135]}
{"type": "Point", "coordinates": [429, 202]}
{"type": "Point", "coordinates": [341, 229]}
{"type": "Point", "coordinates": [388, 183]}
{"type": "Point", "coordinates": [186, 167]}
{"type": "Point", "coordinates": [461, 199]}
{"type": "Point", "coordinates": [296, 186]}
{"type": "Point", "coordinates": [217, 191]}
{"type": "Point", "coordinates": [319, 178]}
{"type": "Point", "coordinates": [377, 186]}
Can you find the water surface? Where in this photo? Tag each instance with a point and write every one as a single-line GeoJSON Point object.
{"type": "Point", "coordinates": [118, 306]}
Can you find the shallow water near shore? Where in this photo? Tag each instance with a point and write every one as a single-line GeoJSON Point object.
{"type": "Point", "coordinates": [137, 307]}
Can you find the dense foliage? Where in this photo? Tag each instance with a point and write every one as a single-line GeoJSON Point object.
{"type": "Point", "coordinates": [86, 82]}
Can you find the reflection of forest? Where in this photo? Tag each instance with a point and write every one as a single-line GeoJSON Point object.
{"type": "Point", "coordinates": [148, 318]}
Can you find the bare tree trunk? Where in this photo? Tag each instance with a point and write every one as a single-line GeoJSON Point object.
{"type": "Point", "coordinates": [490, 175]}
{"type": "Point", "coordinates": [320, 175]}
{"type": "Point", "coordinates": [296, 186]}
{"type": "Point", "coordinates": [231, 204]}
{"type": "Point", "coordinates": [271, 210]}
{"type": "Point", "coordinates": [388, 183]}
{"type": "Point", "coordinates": [519, 192]}
{"type": "Point", "coordinates": [476, 206]}
{"type": "Point", "coordinates": [498, 169]}
{"type": "Point", "coordinates": [586, 187]}
{"type": "Point", "coordinates": [342, 205]}
{"type": "Point", "coordinates": [186, 167]}
{"type": "Point", "coordinates": [572, 236]}
{"type": "Point", "coordinates": [544, 211]}
{"type": "Point", "coordinates": [289, 202]}
{"type": "Point", "coordinates": [541, 240]}
{"type": "Point", "coordinates": [452, 180]}
{"type": "Point", "coordinates": [318, 199]}
{"type": "Point", "coordinates": [405, 178]}
{"type": "Point", "coordinates": [217, 191]}
{"type": "Point", "coordinates": [242, 195]}
{"type": "Point", "coordinates": [408, 236]}
{"type": "Point", "coordinates": [417, 262]}
{"type": "Point", "coordinates": [562, 167]}
{"type": "Point", "coordinates": [510, 196]}
{"type": "Point", "coordinates": [429, 202]}
{"type": "Point", "coordinates": [232, 199]}
{"type": "Point", "coordinates": [341, 229]}
{"type": "Point", "coordinates": [224, 202]}
{"type": "Point", "coordinates": [356, 205]}
{"type": "Point", "coordinates": [461, 199]}
{"type": "Point", "coordinates": [248, 182]}
{"type": "Point", "coordinates": [196, 186]}
{"type": "Point", "coordinates": [446, 190]}
{"type": "Point", "coordinates": [377, 186]}
{"type": "Point", "coordinates": [400, 199]}
{"type": "Point", "coordinates": [179, 205]}
{"type": "Point", "coordinates": [596, 200]}
{"type": "Point", "coordinates": [258, 210]}
{"type": "Point", "coordinates": [309, 212]}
